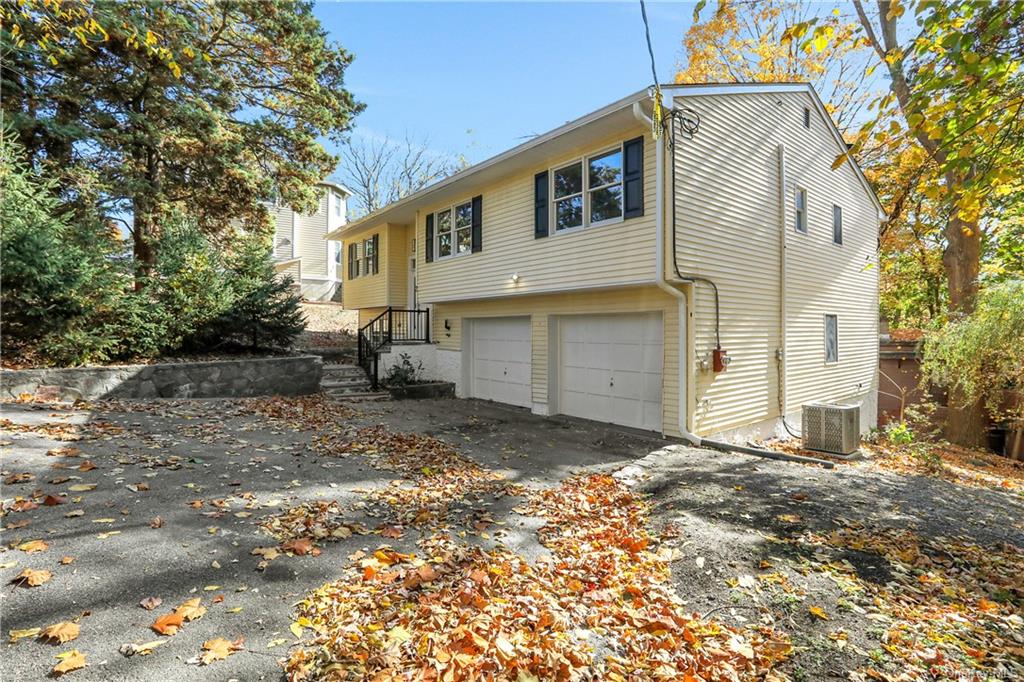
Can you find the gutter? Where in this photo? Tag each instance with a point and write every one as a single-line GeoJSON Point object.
{"type": "Point", "coordinates": [664, 285]}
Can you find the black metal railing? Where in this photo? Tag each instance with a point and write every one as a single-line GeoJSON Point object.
{"type": "Point", "coordinates": [394, 324]}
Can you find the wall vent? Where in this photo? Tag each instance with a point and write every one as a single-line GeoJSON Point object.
{"type": "Point", "coordinates": [831, 428]}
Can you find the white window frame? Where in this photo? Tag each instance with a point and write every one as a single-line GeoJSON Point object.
{"type": "Point", "coordinates": [797, 211]}
{"type": "Point", "coordinates": [825, 319]}
{"type": "Point", "coordinates": [337, 203]}
{"type": "Point", "coordinates": [453, 231]}
{"type": "Point", "coordinates": [586, 191]}
{"type": "Point", "coordinates": [582, 194]}
{"type": "Point", "coordinates": [837, 212]}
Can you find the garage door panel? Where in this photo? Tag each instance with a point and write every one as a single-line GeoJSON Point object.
{"type": "Point", "coordinates": [500, 367]}
{"type": "Point", "coordinates": [610, 368]}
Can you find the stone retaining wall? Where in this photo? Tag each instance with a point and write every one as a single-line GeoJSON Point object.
{"type": "Point", "coordinates": [289, 375]}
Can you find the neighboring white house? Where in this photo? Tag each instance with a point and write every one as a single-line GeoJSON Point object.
{"type": "Point", "coordinates": [703, 284]}
{"type": "Point", "coordinates": [300, 249]}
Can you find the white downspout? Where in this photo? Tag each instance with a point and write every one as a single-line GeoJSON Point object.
{"type": "Point", "coordinates": [782, 281]}
{"type": "Point", "coordinates": [659, 276]}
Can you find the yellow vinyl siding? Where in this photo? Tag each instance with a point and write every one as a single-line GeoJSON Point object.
{"type": "Point", "coordinates": [398, 238]}
{"type": "Point", "coordinates": [727, 218]}
{"type": "Point", "coordinates": [541, 308]}
{"type": "Point", "coordinates": [366, 291]}
{"type": "Point", "coordinates": [367, 314]}
{"type": "Point", "coordinates": [616, 254]}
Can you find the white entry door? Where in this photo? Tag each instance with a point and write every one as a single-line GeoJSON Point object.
{"type": "Point", "coordinates": [610, 368]}
{"type": "Point", "coordinates": [501, 359]}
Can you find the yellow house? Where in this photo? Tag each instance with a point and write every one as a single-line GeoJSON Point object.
{"type": "Point", "coordinates": [708, 280]}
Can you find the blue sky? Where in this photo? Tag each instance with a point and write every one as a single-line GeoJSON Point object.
{"type": "Point", "coordinates": [478, 78]}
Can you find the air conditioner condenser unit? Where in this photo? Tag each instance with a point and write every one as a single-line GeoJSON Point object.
{"type": "Point", "coordinates": [831, 428]}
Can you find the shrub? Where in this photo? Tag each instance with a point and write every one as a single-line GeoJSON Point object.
{"type": "Point", "coordinates": [899, 433]}
{"type": "Point", "coordinates": [404, 373]}
{"type": "Point", "coordinates": [265, 312]}
{"type": "Point", "coordinates": [981, 355]}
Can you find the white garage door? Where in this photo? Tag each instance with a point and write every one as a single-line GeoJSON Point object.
{"type": "Point", "coordinates": [610, 368]}
{"type": "Point", "coordinates": [500, 368]}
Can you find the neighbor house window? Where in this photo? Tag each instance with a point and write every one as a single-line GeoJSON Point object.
{"type": "Point", "coordinates": [837, 224]}
{"type": "Point", "coordinates": [807, 117]}
{"type": "Point", "coordinates": [453, 229]}
{"type": "Point", "coordinates": [831, 338]}
{"type": "Point", "coordinates": [568, 194]}
{"type": "Point", "coordinates": [338, 203]}
{"type": "Point", "coordinates": [801, 210]}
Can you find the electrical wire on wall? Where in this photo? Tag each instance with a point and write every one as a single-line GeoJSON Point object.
{"type": "Point", "coordinates": [688, 122]}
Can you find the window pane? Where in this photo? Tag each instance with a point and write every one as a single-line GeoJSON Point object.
{"type": "Point", "coordinates": [462, 237]}
{"type": "Point", "coordinates": [831, 339]}
{"type": "Point", "coordinates": [444, 244]}
{"type": "Point", "coordinates": [569, 213]}
{"type": "Point", "coordinates": [606, 169]}
{"type": "Point", "coordinates": [568, 180]}
{"type": "Point", "coordinates": [837, 224]}
{"type": "Point", "coordinates": [463, 215]}
{"type": "Point", "coordinates": [444, 221]}
{"type": "Point", "coordinates": [606, 203]}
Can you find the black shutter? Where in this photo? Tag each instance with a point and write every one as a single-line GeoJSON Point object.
{"type": "Point", "coordinates": [430, 238]}
{"type": "Point", "coordinates": [351, 260]}
{"type": "Point", "coordinates": [540, 205]}
{"type": "Point", "coordinates": [376, 246]}
{"type": "Point", "coordinates": [633, 177]}
{"type": "Point", "coordinates": [476, 235]}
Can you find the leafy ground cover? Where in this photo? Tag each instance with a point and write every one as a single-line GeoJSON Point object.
{"type": "Point", "coordinates": [456, 540]}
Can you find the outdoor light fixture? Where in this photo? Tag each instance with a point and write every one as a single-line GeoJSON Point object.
{"type": "Point", "coordinates": [515, 278]}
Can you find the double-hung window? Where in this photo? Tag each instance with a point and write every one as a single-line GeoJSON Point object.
{"type": "Point", "coordinates": [369, 256]}
{"type": "Point", "coordinates": [453, 230]}
{"type": "Point", "coordinates": [800, 217]}
{"type": "Point", "coordinates": [588, 192]}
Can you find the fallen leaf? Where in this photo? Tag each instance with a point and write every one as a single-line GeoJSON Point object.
{"type": "Point", "coordinates": [32, 578]}
{"type": "Point", "coordinates": [143, 649]}
{"type": "Point", "coordinates": [191, 609]}
{"type": "Point", "coordinates": [82, 487]}
{"type": "Point", "coordinates": [392, 532]}
{"type": "Point", "coordinates": [63, 452]}
{"type": "Point", "coordinates": [23, 477]}
{"type": "Point", "coordinates": [33, 546]}
{"type": "Point", "coordinates": [15, 635]}
{"type": "Point", "coordinates": [65, 560]}
{"type": "Point", "coordinates": [69, 660]}
{"type": "Point", "coordinates": [138, 487]}
{"type": "Point", "coordinates": [818, 612]}
{"type": "Point", "coordinates": [74, 512]}
{"type": "Point", "coordinates": [218, 649]}
{"type": "Point", "coordinates": [60, 632]}
{"type": "Point", "coordinates": [150, 603]}
{"type": "Point", "coordinates": [300, 547]}
{"type": "Point", "coordinates": [104, 536]}
{"type": "Point", "coordinates": [86, 466]}
{"type": "Point", "coordinates": [156, 522]}
{"type": "Point", "coordinates": [53, 500]}
{"type": "Point", "coordinates": [167, 624]}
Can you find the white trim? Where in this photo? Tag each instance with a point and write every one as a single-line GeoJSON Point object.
{"type": "Point", "coordinates": [590, 287]}
{"type": "Point", "coordinates": [453, 230]}
{"type": "Point", "coordinates": [295, 232]}
{"type": "Point", "coordinates": [797, 189]}
{"type": "Point", "coordinates": [586, 190]}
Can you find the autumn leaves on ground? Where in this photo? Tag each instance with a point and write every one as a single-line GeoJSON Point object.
{"type": "Point", "coordinates": [303, 538]}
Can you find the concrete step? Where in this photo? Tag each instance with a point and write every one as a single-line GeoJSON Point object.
{"type": "Point", "coordinates": [358, 395]}
{"type": "Point", "coordinates": [345, 385]}
{"type": "Point", "coordinates": [343, 371]}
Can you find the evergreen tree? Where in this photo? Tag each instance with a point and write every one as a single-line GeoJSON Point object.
{"type": "Point", "coordinates": [266, 311]}
{"type": "Point", "coordinates": [144, 107]}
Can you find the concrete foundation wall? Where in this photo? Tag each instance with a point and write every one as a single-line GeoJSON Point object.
{"type": "Point", "coordinates": [295, 375]}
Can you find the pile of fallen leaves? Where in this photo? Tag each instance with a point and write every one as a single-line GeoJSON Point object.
{"type": "Point", "coordinates": [440, 475]}
{"type": "Point", "coordinates": [300, 529]}
{"type": "Point", "coordinates": [315, 412]}
{"type": "Point", "coordinates": [601, 607]}
{"type": "Point", "coordinates": [952, 608]}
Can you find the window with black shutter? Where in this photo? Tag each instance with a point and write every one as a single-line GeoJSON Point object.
{"type": "Point", "coordinates": [477, 239]}
{"type": "Point", "coordinates": [540, 205]}
{"type": "Point", "coordinates": [633, 177]}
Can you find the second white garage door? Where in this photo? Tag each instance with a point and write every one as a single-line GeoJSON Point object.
{"type": "Point", "coordinates": [610, 368]}
{"type": "Point", "coordinates": [501, 360]}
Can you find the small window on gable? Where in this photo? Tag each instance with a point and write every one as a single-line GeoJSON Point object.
{"type": "Point", "coordinates": [338, 203]}
{"type": "Point", "coordinates": [831, 338]}
{"type": "Point", "coordinates": [807, 117]}
{"type": "Point", "coordinates": [837, 224]}
{"type": "Point", "coordinates": [800, 215]}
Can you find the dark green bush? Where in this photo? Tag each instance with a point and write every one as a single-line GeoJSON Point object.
{"type": "Point", "coordinates": [69, 296]}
